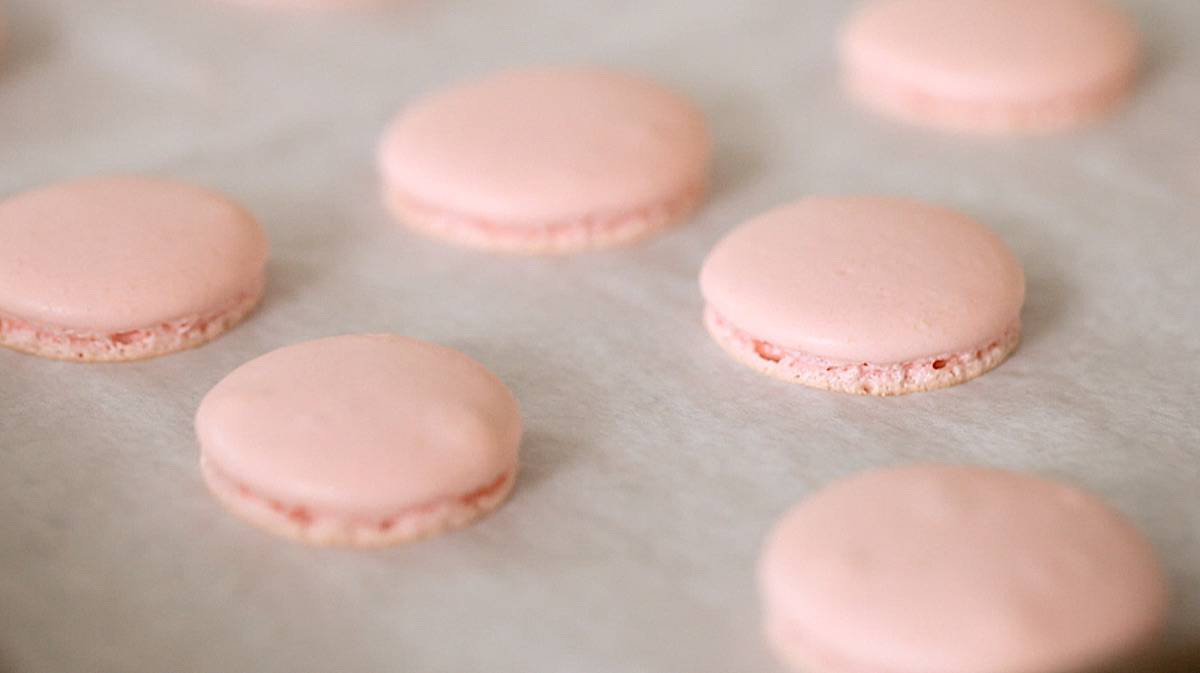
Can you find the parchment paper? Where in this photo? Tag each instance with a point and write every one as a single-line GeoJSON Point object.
{"type": "Point", "coordinates": [654, 465]}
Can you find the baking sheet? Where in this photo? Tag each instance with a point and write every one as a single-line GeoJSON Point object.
{"type": "Point", "coordinates": [653, 464]}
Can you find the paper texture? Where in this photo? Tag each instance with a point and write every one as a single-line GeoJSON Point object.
{"type": "Point", "coordinates": [654, 464]}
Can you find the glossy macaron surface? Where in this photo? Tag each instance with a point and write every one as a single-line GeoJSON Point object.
{"type": "Point", "coordinates": [360, 426]}
{"type": "Point", "coordinates": [991, 63]}
{"type": "Point", "coordinates": [958, 570]}
{"type": "Point", "coordinates": [547, 146]}
{"type": "Point", "coordinates": [872, 279]}
{"type": "Point", "coordinates": [110, 254]}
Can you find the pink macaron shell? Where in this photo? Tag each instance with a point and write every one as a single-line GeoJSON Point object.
{"type": "Point", "coordinates": [310, 4]}
{"type": "Point", "coordinates": [360, 427]}
{"type": "Point", "coordinates": [1019, 64]}
{"type": "Point", "coordinates": [865, 279]}
{"type": "Point", "coordinates": [112, 254]}
{"type": "Point", "coordinates": [547, 146]}
{"type": "Point", "coordinates": [939, 569]}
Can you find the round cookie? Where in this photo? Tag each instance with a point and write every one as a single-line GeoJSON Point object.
{"type": "Point", "coordinates": [546, 160]}
{"type": "Point", "coordinates": [940, 569]}
{"type": "Point", "coordinates": [360, 440]}
{"type": "Point", "coordinates": [307, 5]}
{"type": "Point", "coordinates": [110, 269]}
{"type": "Point", "coordinates": [867, 295]}
{"type": "Point", "coordinates": [990, 65]}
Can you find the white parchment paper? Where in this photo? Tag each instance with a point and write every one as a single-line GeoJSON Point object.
{"type": "Point", "coordinates": [653, 464]}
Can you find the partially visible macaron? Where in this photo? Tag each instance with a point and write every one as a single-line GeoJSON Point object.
{"type": "Point", "coordinates": [990, 65]}
{"type": "Point", "coordinates": [360, 440]}
{"type": "Point", "coordinates": [310, 4]}
{"type": "Point", "coordinates": [946, 569]}
{"type": "Point", "coordinates": [546, 160]}
{"type": "Point", "coordinates": [110, 269]}
{"type": "Point", "coordinates": [867, 295]}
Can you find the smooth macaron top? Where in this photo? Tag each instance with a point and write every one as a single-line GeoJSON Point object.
{"type": "Point", "coordinates": [876, 279]}
{"type": "Point", "coordinates": [311, 4]}
{"type": "Point", "coordinates": [125, 253]}
{"type": "Point", "coordinates": [548, 145]}
{"type": "Point", "coordinates": [360, 425]}
{"type": "Point", "coordinates": [940, 569]}
{"type": "Point", "coordinates": [992, 50]}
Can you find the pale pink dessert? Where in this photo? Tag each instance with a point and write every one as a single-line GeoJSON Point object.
{"type": "Point", "coordinates": [305, 5]}
{"type": "Point", "coordinates": [990, 65]}
{"type": "Point", "coordinates": [110, 269]}
{"type": "Point", "coordinates": [945, 569]}
{"type": "Point", "coordinates": [865, 295]}
{"type": "Point", "coordinates": [546, 160]}
{"type": "Point", "coordinates": [360, 440]}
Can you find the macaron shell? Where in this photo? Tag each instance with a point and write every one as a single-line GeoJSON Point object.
{"type": "Point", "coordinates": [360, 426]}
{"type": "Point", "coordinates": [993, 50]}
{"type": "Point", "coordinates": [960, 570]}
{"type": "Point", "coordinates": [867, 279]}
{"type": "Point", "coordinates": [539, 146]}
{"type": "Point", "coordinates": [114, 254]}
{"type": "Point", "coordinates": [307, 5]}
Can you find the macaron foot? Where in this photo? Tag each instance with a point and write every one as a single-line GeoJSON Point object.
{"type": "Point", "coordinates": [1052, 115]}
{"type": "Point", "coordinates": [306, 526]}
{"type": "Point", "coordinates": [57, 343]}
{"type": "Point", "coordinates": [587, 233]}
{"type": "Point", "coordinates": [861, 378]}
